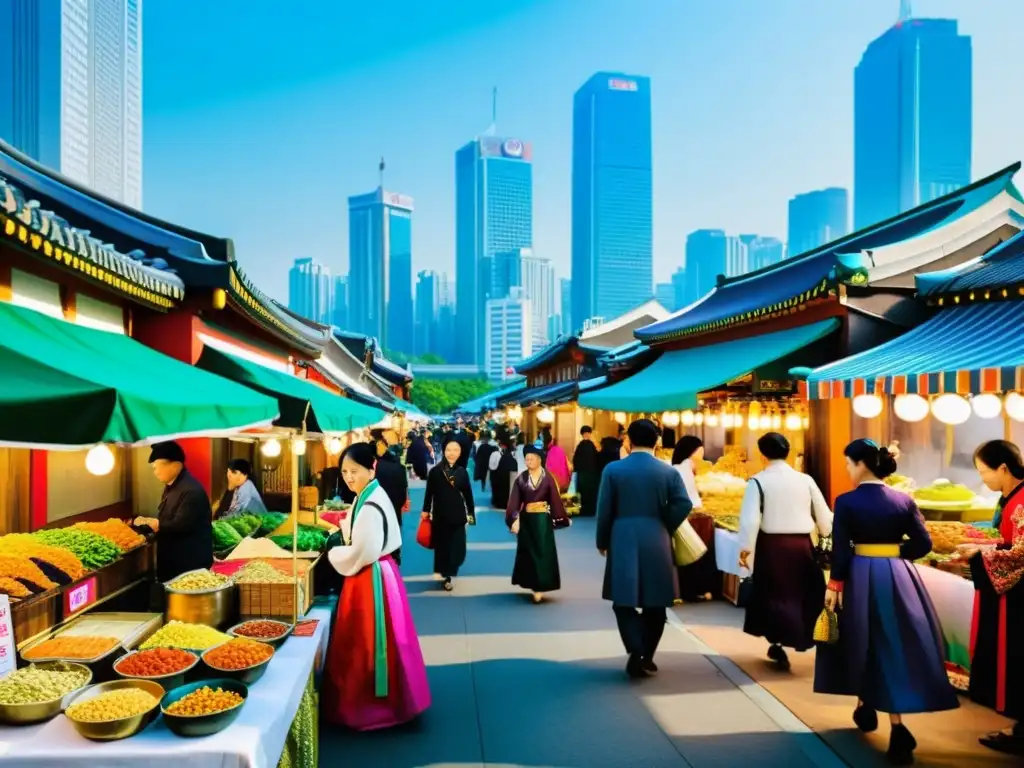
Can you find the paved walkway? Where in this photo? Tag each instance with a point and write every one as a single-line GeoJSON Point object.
{"type": "Point", "coordinates": [517, 684]}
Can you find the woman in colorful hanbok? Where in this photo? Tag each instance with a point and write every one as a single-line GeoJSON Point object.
{"type": "Point", "coordinates": [534, 508]}
{"type": "Point", "coordinates": [375, 676]}
{"type": "Point", "coordinates": [557, 463]}
{"type": "Point", "coordinates": [890, 652]}
{"type": "Point", "coordinates": [997, 633]}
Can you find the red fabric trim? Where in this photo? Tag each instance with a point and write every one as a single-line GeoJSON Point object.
{"type": "Point", "coordinates": [1001, 658]}
{"type": "Point", "coordinates": [38, 489]}
{"type": "Point", "coordinates": [975, 617]}
{"type": "Point", "coordinates": [835, 586]}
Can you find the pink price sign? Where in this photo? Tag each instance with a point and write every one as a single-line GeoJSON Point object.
{"type": "Point", "coordinates": [80, 597]}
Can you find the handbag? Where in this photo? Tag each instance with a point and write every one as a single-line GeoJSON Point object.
{"type": "Point", "coordinates": [571, 490]}
{"type": "Point", "coordinates": [425, 533]}
{"type": "Point", "coordinates": [823, 544]}
{"type": "Point", "coordinates": [687, 545]}
{"type": "Point", "coordinates": [826, 628]}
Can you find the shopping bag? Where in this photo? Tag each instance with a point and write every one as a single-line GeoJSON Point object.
{"type": "Point", "coordinates": [571, 490]}
{"type": "Point", "coordinates": [425, 534]}
{"type": "Point", "coordinates": [826, 628]}
{"type": "Point", "coordinates": [687, 545]}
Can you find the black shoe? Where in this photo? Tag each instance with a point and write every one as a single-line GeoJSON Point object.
{"type": "Point", "coordinates": [866, 719]}
{"type": "Point", "coordinates": [1008, 744]}
{"type": "Point", "coordinates": [778, 654]}
{"type": "Point", "coordinates": [635, 667]}
{"type": "Point", "coordinates": [649, 666]}
{"type": "Point", "coordinates": [448, 586]}
{"type": "Point", "coordinates": [901, 746]}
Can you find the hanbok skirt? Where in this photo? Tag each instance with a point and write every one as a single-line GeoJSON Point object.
{"type": "Point", "coordinates": [536, 566]}
{"type": "Point", "coordinates": [375, 676]}
{"type": "Point", "coordinates": [702, 577]}
{"type": "Point", "coordinates": [787, 590]}
{"type": "Point", "coordinates": [449, 548]}
{"type": "Point", "coordinates": [997, 637]}
{"type": "Point", "coordinates": [890, 652]}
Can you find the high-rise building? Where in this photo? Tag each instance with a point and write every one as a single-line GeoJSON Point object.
{"type": "Point", "coordinates": [380, 268]}
{"type": "Point", "coordinates": [311, 290]}
{"type": "Point", "coordinates": [509, 334]}
{"type": "Point", "coordinates": [763, 251]}
{"type": "Point", "coordinates": [816, 218]}
{"type": "Point", "coordinates": [679, 288]}
{"type": "Point", "coordinates": [71, 89]}
{"type": "Point", "coordinates": [446, 341]}
{"type": "Point", "coordinates": [665, 294]}
{"type": "Point", "coordinates": [428, 310]}
{"type": "Point", "coordinates": [493, 214]}
{"type": "Point", "coordinates": [522, 268]}
{"type": "Point", "coordinates": [565, 293]}
{"type": "Point", "coordinates": [710, 253]}
{"type": "Point", "coordinates": [911, 118]}
{"type": "Point", "coordinates": [339, 314]}
{"type": "Point", "coordinates": [612, 197]}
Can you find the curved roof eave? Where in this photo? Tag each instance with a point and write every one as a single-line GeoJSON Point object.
{"type": "Point", "coordinates": [1000, 267]}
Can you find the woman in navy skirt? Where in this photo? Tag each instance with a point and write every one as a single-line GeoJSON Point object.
{"type": "Point", "coordinates": [890, 650]}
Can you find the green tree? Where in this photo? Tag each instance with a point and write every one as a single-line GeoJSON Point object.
{"type": "Point", "coordinates": [444, 396]}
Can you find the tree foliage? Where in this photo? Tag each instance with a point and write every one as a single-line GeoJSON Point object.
{"type": "Point", "coordinates": [441, 396]}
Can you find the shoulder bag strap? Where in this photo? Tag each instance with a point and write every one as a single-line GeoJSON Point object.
{"type": "Point", "coordinates": [760, 492]}
{"type": "Point", "coordinates": [383, 517]}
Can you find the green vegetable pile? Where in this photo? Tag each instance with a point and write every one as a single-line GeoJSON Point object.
{"type": "Point", "coordinates": [92, 549]}
{"type": "Point", "coordinates": [271, 521]}
{"type": "Point", "coordinates": [246, 525]}
{"type": "Point", "coordinates": [310, 539]}
{"type": "Point", "coordinates": [224, 536]}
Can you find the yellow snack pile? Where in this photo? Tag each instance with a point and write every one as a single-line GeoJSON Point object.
{"type": "Point", "coordinates": [178, 634]}
{"type": "Point", "coordinates": [199, 581]}
{"type": "Point", "coordinates": [115, 530]}
{"type": "Point", "coordinates": [113, 705]}
{"type": "Point", "coordinates": [204, 701]}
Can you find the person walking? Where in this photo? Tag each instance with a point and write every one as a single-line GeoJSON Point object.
{"type": "Point", "coordinates": [482, 459]}
{"type": "Point", "coordinates": [588, 473]}
{"type": "Point", "coordinates": [504, 470]}
{"type": "Point", "coordinates": [640, 503]}
{"type": "Point", "coordinates": [700, 580]}
{"type": "Point", "coordinates": [448, 502]}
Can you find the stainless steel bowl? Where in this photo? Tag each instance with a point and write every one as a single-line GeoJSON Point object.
{"type": "Point", "coordinates": [39, 711]}
{"type": "Point", "coordinates": [216, 607]}
{"type": "Point", "coordinates": [203, 725]}
{"type": "Point", "coordinates": [275, 642]}
{"type": "Point", "coordinates": [111, 730]}
{"type": "Point", "coordinates": [173, 680]}
{"type": "Point", "coordinates": [248, 675]}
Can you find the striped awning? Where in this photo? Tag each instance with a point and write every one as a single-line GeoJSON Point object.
{"type": "Point", "coordinates": [967, 350]}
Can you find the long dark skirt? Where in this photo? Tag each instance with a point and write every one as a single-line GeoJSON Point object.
{"type": "Point", "coordinates": [536, 565]}
{"type": "Point", "coordinates": [788, 590]}
{"type": "Point", "coordinates": [703, 577]}
{"type": "Point", "coordinates": [449, 549]}
{"type": "Point", "coordinates": [1001, 691]}
{"type": "Point", "coordinates": [890, 652]}
{"type": "Point", "coordinates": [586, 486]}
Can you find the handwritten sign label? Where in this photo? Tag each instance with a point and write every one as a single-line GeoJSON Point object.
{"type": "Point", "coordinates": [7, 655]}
{"type": "Point", "coordinates": [80, 597]}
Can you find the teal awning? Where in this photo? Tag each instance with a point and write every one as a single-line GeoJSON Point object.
{"type": "Point", "coordinates": [673, 381]}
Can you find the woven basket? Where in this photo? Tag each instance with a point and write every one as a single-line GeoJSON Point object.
{"type": "Point", "coordinates": [309, 497]}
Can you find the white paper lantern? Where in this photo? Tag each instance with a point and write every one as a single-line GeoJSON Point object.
{"type": "Point", "coordinates": [711, 420]}
{"type": "Point", "coordinates": [986, 406]}
{"type": "Point", "coordinates": [620, 417]}
{"type": "Point", "coordinates": [910, 408]}
{"type": "Point", "coordinates": [545, 416]}
{"type": "Point", "coordinates": [765, 422]}
{"type": "Point", "coordinates": [271, 449]}
{"type": "Point", "coordinates": [670, 419]}
{"type": "Point", "coordinates": [1014, 405]}
{"type": "Point", "coordinates": [777, 421]}
{"type": "Point", "coordinates": [792, 422]}
{"type": "Point", "coordinates": [867, 406]}
{"type": "Point", "coordinates": [299, 447]}
{"type": "Point", "coordinates": [951, 409]}
{"type": "Point", "coordinates": [752, 422]}
{"type": "Point", "coordinates": [698, 418]}
{"type": "Point", "coordinates": [99, 460]}
{"type": "Point", "coordinates": [728, 420]}
{"type": "Point", "coordinates": [334, 446]}
{"type": "Point", "coordinates": [687, 418]}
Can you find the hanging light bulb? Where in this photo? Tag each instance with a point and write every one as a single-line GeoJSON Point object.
{"type": "Point", "coordinates": [99, 460]}
{"type": "Point", "coordinates": [1014, 405]}
{"type": "Point", "coordinates": [334, 446]}
{"type": "Point", "coordinates": [777, 421]}
{"type": "Point", "coordinates": [698, 418]}
{"type": "Point", "coordinates": [620, 417]}
{"type": "Point", "coordinates": [545, 416]}
{"type": "Point", "coordinates": [764, 422]}
{"type": "Point", "coordinates": [271, 449]}
{"type": "Point", "coordinates": [986, 406]}
{"type": "Point", "coordinates": [299, 446]}
{"type": "Point", "coordinates": [806, 423]}
{"type": "Point", "coordinates": [687, 418]}
{"type": "Point", "coordinates": [910, 408]}
{"type": "Point", "coordinates": [752, 421]}
{"type": "Point", "coordinates": [727, 420]}
{"type": "Point", "coordinates": [867, 406]}
{"type": "Point", "coordinates": [670, 419]}
{"type": "Point", "coordinates": [951, 409]}
{"type": "Point", "coordinates": [711, 419]}
{"type": "Point", "coordinates": [792, 422]}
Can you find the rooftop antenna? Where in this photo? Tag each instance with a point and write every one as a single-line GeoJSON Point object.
{"type": "Point", "coordinates": [380, 170]}
{"type": "Point", "coordinates": [906, 13]}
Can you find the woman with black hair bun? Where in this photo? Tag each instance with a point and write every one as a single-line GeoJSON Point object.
{"type": "Point", "coordinates": [700, 580]}
{"type": "Point", "coordinates": [890, 652]}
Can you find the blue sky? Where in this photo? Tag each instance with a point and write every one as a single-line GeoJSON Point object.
{"type": "Point", "coordinates": [262, 117]}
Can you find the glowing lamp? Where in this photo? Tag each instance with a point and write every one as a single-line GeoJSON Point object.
{"type": "Point", "coordinates": [687, 418]}
{"type": "Point", "coordinates": [99, 460]}
{"type": "Point", "coordinates": [620, 417]}
{"type": "Point", "coordinates": [334, 446]}
{"type": "Point", "coordinates": [670, 419]}
{"type": "Point", "coordinates": [910, 408]}
{"type": "Point", "coordinates": [867, 406]}
{"type": "Point", "coordinates": [792, 422]}
{"type": "Point", "coordinates": [986, 406]}
{"type": "Point", "coordinates": [299, 446]}
{"type": "Point", "coordinates": [271, 449]}
{"type": "Point", "coordinates": [711, 420]}
{"type": "Point", "coordinates": [1014, 405]}
{"type": "Point", "coordinates": [545, 416]}
{"type": "Point", "coordinates": [951, 409]}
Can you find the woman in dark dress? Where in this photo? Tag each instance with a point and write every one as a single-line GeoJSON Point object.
{"type": "Point", "coordinates": [448, 503]}
{"type": "Point", "coordinates": [482, 459]}
{"type": "Point", "coordinates": [588, 474]}
{"type": "Point", "coordinates": [890, 652]}
{"type": "Point", "coordinates": [533, 506]}
{"type": "Point", "coordinates": [504, 469]}
{"type": "Point", "coordinates": [417, 455]}
{"type": "Point", "coordinates": [997, 647]}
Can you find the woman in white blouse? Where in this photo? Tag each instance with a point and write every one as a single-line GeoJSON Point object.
{"type": "Point", "coordinates": [700, 580]}
{"type": "Point", "coordinates": [688, 451]}
{"type": "Point", "coordinates": [782, 516]}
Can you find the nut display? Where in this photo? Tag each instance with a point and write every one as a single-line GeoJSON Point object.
{"type": "Point", "coordinates": [178, 634]}
{"type": "Point", "coordinates": [116, 531]}
{"type": "Point", "coordinates": [113, 705]}
{"type": "Point", "coordinates": [27, 545]}
{"type": "Point", "coordinates": [199, 581]}
{"type": "Point", "coordinates": [32, 684]}
{"type": "Point", "coordinates": [204, 701]}
{"type": "Point", "coordinates": [261, 630]}
{"type": "Point", "coordinates": [155, 662]}
{"type": "Point", "coordinates": [71, 647]}
{"type": "Point", "coordinates": [240, 653]}
{"type": "Point", "coordinates": [258, 572]}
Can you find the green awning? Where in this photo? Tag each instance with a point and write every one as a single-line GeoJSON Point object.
{"type": "Point", "coordinates": [328, 412]}
{"type": "Point", "coordinates": [673, 381]}
{"type": "Point", "coordinates": [67, 386]}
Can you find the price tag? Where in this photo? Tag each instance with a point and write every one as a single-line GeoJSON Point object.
{"type": "Point", "coordinates": [80, 597]}
{"type": "Point", "coordinates": [7, 654]}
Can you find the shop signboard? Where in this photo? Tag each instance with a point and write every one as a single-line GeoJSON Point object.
{"type": "Point", "coordinates": [80, 597]}
{"type": "Point", "coordinates": [7, 653]}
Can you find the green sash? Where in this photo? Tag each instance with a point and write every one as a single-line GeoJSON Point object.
{"type": "Point", "coordinates": [380, 639]}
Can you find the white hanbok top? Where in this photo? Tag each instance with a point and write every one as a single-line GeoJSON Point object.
{"type": "Point", "coordinates": [789, 498]}
{"type": "Point", "coordinates": [685, 470]}
{"type": "Point", "coordinates": [367, 538]}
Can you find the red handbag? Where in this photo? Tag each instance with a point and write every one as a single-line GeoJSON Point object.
{"type": "Point", "coordinates": [424, 534]}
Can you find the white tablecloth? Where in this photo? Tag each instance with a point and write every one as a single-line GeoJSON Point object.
{"type": "Point", "coordinates": [255, 740]}
{"type": "Point", "coordinates": [727, 553]}
{"type": "Point", "coordinates": [953, 598]}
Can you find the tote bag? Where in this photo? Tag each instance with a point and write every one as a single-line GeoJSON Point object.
{"type": "Point", "coordinates": [687, 545]}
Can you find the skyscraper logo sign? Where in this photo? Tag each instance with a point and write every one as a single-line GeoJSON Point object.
{"type": "Point", "coordinates": [512, 148]}
{"type": "Point", "coordinates": [618, 84]}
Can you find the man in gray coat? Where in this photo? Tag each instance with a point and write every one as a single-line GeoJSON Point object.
{"type": "Point", "coordinates": [640, 503]}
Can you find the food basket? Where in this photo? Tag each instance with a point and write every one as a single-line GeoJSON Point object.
{"type": "Point", "coordinates": [39, 711]}
{"type": "Point", "coordinates": [214, 607]}
{"type": "Point", "coordinates": [273, 642]}
{"type": "Point", "coordinates": [112, 730]}
{"type": "Point", "coordinates": [169, 681]}
{"type": "Point", "coordinates": [203, 725]}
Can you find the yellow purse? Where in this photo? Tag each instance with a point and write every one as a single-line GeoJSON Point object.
{"type": "Point", "coordinates": [826, 628]}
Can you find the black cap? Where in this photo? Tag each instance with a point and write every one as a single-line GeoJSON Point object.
{"type": "Point", "coordinates": [168, 451]}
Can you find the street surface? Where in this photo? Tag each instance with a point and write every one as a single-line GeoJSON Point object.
{"type": "Point", "coordinates": [517, 684]}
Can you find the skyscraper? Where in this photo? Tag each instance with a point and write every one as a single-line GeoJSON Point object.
{"type": "Point", "coordinates": [763, 251]}
{"type": "Point", "coordinates": [522, 268]}
{"type": "Point", "coordinates": [311, 290]}
{"type": "Point", "coordinates": [679, 288]}
{"type": "Point", "coordinates": [493, 213]}
{"type": "Point", "coordinates": [428, 310]}
{"type": "Point", "coordinates": [816, 218]}
{"type": "Point", "coordinates": [709, 253]}
{"type": "Point", "coordinates": [565, 294]}
{"type": "Point", "coordinates": [380, 267]}
{"type": "Point", "coordinates": [612, 237]}
{"type": "Point", "coordinates": [912, 118]}
{"type": "Point", "coordinates": [339, 313]}
{"type": "Point", "coordinates": [71, 89]}
{"type": "Point", "coordinates": [509, 331]}
{"type": "Point", "coordinates": [665, 294]}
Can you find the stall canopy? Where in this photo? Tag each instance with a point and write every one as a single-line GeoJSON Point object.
{"type": "Point", "coordinates": [66, 386]}
{"type": "Point", "coordinates": [969, 350]}
{"type": "Point", "coordinates": [412, 413]}
{"type": "Point", "coordinates": [328, 412]}
{"type": "Point", "coordinates": [545, 394]}
{"type": "Point", "coordinates": [673, 381]}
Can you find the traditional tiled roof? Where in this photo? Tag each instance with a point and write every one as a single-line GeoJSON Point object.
{"type": "Point", "coordinates": [1001, 270]}
{"type": "Point", "coordinates": [490, 400]}
{"type": "Point", "coordinates": [548, 354]}
{"type": "Point", "coordinates": [783, 288]}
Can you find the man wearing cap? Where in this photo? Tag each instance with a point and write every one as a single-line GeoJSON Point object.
{"type": "Point", "coordinates": [183, 526]}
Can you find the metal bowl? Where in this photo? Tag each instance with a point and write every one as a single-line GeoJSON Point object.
{"type": "Point", "coordinates": [39, 711]}
{"type": "Point", "coordinates": [173, 680]}
{"type": "Point", "coordinates": [203, 725]}
{"type": "Point", "coordinates": [274, 642]}
{"type": "Point", "coordinates": [248, 675]}
{"type": "Point", "coordinates": [111, 730]}
{"type": "Point", "coordinates": [214, 607]}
